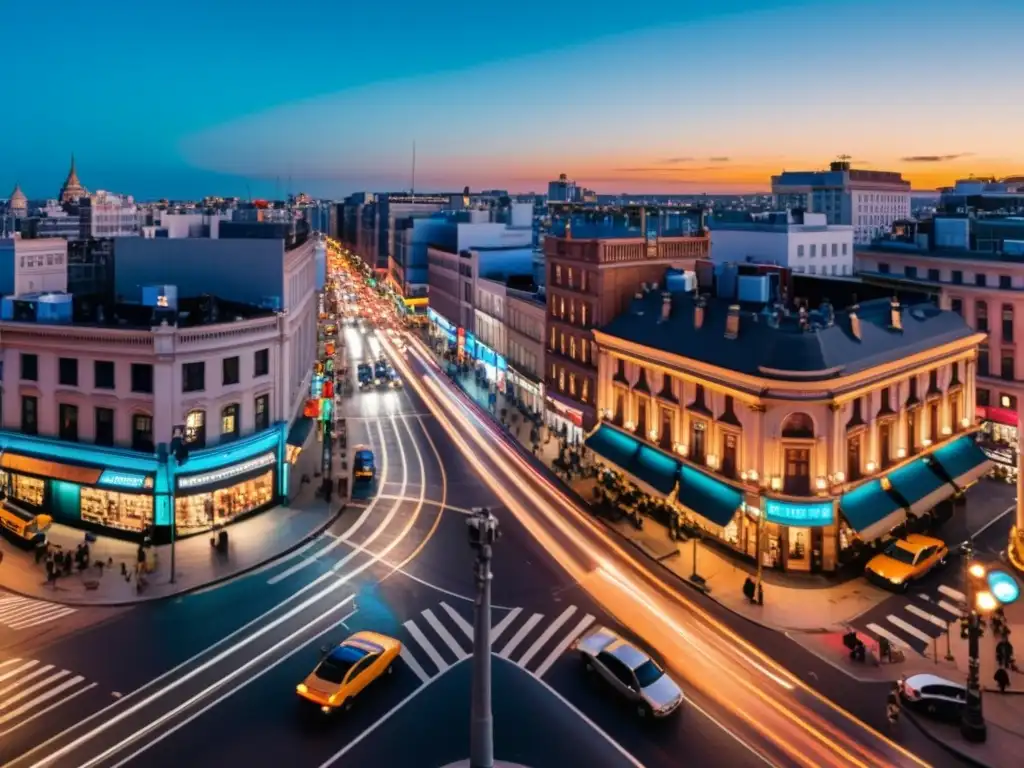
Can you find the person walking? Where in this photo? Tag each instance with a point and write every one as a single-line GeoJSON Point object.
{"type": "Point", "coordinates": [892, 704]}
{"type": "Point", "coordinates": [1002, 678]}
{"type": "Point", "coordinates": [1004, 652]}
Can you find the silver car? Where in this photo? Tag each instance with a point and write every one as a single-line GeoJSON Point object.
{"type": "Point", "coordinates": [630, 671]}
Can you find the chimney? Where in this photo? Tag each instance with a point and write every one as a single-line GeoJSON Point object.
{"type": "Point", "coordinates": [895, 318]}
{"type": "Point", "coordinates": [698, 312]}
{"type": "Point", "coordinates": [855, 321]}
{"type": "Point", "coordinates": [732, 322]}
{"type": "Point", "coordinates": [666, 306]}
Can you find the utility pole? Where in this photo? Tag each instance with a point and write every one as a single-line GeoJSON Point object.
{"type": "Point", "coordinates": [483, 533]}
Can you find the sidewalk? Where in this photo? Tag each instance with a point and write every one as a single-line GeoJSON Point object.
{"type": "Point", "coordinates": [252, 543]}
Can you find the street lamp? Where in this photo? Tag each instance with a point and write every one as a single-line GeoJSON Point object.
{"type": "Point", "coordinates": [483, 533]}
{"type": "Point", "coordinates": [972, 722]}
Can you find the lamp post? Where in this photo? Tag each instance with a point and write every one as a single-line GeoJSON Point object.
{"type": "Point", "coordinates": [177, 456]}
{"type": "Point", "coordinates": [483, 533]}
{"type": "Point", "coordinates": [972, 722]}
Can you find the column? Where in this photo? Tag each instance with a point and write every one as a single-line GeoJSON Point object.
{"type": "Point", "coordinates": [835, 429]}
{"type": "Point", "coordinates": [1020, 474]}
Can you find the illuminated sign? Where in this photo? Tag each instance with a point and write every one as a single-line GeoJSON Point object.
{"type": "Point", "coordinates": [1003, 586]}
{"type": "Point", "coordinates": [219, 475]}
{"type": "Point", "coordinates": [788, 513]}
{"type": "Point", "coordinates": [115, 479]}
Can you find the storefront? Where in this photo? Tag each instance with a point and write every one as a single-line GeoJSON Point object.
{"type": "Point", "coordinates": [529, 390]}
{"type": "Point", "coordinates": [563, 419]}
{"type": "Point", "coordinates": [442, 331]}
{"type": "Point", "coordinates": [1000, 440]}
{"type": "Point", "coordinates": [493, 365]}
{"type": "Point", "coordinates": [125, 493]}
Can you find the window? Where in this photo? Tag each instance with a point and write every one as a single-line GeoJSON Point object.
{"type": "Point", "coordinates": [912, 431]}
{"type": "Point", "coordinates": [729, 455]}
{"type": "Point", "coordinates": [835, 249]}
{"type": "Point", "coordinates": [984, 397]}
{"type": "Point", "coordinates": [957, 305]}
{"type": "Point", "coordinates": [814, 250]}
{"type": "Point", "coordinates": [933, 381]}
{"type": "Point", "coordinates": [467, 292]}
{"type": "Point", "coordinates": [195, 428]}
{"type": "Point", "coordinates": [558, 274]}
{"type": "Point", "coordinates": [886, 404]}
{"type": "Point", "coordinates": [261, 363]}
{"type": "Point", "coordinates": [983, 363]}
{"type": "Point", "coordinates": [142, 433]}
{"type": "Point", "coordinates": [797, 481]}
{"type": "Point", "coordinates": [1006, 366]}
{"type": "Point", "coordinates": [229, 427]}
{"type": "Point", "coordinates": [103, 374]}
{"type": "Point", "coordinates": [844, 250]}
{"type": "Point", "coordinates": [142, 378]}
{"type": "Point", "coordinates": [800, 251]}
{"type": "Point", "coordinates": [911, 272]}
{"type": "Point", "coordinates": [554, 339]}
{"type": "Point", "coordinates": [68, 427]}
{"type": "Point", "coordinates": [665, 430]}
{"type": "Point", "coordinates": [853, 465]}
{"type": "Point", "coordinates": [698, 441]}
{"type": "Point", "coordinates": [261, 411]}
{"type": "Point", "coordinates": [798, 425]}
{"type": "Point", "coordinates": [933, 275]}
{"type": "Point", "coordinates": [29, 414]}
{"type": "Point", "coordinates": [620, 370]}
{"type": "Point", "coordinates": [104, 426]}
{"type": "Point", "coordinates": [1007, 401]}
{"type": "Point", "coordinates": [641, 416]}
{"type": "Point", "coordinates": [1005, 282]}
{"type": "Point", "coordinates": [957, 277]}
{"type": "Point", "coordinates": [884, 443]}
{"type": "Point", "coordinates": [193, 377]}
{"type": "Point", "coordinates": [981, 316]}
{"type": "Point", "coordinates": [979, 279]}
{"type": "Point", "coordinates": [230, 370]}
{"type": "Point", "coordinates": [883, 268]}
{"type": "Point", "coordinates": [1007, 322]}
{"type": "Point", "coordinates": [29, 367]}
{"type": "Point", "coordinates": [933, 422]}
{"type": "Point", "coordinates": [67, 371]}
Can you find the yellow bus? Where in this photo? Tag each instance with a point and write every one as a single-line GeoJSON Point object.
{"type": "Point", "coordinates": [26, 526]}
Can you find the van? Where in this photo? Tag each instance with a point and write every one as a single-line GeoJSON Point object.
{"type": "Point", "coordinates": [24, 525]}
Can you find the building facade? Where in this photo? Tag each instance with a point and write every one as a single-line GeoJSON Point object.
{"type": "Point", "coordinates": [803, 242]}
{"type": "Point", "coordinates": [33, 265]}
{"type": "Point", "coordinates": [524, 330]}
{"type": "Point", "coordinates": [589, 282]}
{"type": "Point", "coordinates": [797, 439]}
{"type": "Point", "coordinates": [103, 214]}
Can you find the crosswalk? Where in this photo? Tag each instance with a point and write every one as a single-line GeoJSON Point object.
{"type": "Point", "coordinates": [23, 612]}
{"type": "Point", "coordinates": [441, 637]}
{"type": "Point", "coordinates": [913, 622]}
{"type": "Point", "coordinates": [30, 689]}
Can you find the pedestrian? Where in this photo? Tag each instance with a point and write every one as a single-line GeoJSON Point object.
{"type": "Point", "coordinates": [892, 704]}
{"type": "Point", "coordinates": [51, 573]}
{"type": "Point", "coordinates": [1004, 652]}
{"type": "Point", "coordinates": [1002, 678]}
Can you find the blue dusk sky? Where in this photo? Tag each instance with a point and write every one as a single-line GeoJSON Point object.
{"type": "Point", "coordinates": [183, 100]}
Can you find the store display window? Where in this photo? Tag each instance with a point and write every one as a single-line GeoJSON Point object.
{"type": "Point", "coordinates": [202, 511]}
{"type": "Point", "coordinates": [29, 490]}
{"type": "Point", "coordinates": [124, 511]}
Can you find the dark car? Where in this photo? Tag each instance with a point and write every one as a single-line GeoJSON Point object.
{"type": "Point", "coordinates": [934, 696]}
{"type": "Point", "coordinates": [365, 375]}
{"type": "Point", "coordinates": [363, 467]}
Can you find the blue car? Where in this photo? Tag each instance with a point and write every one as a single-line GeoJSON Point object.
{"type": "Point", "coordinates": [362, 465]}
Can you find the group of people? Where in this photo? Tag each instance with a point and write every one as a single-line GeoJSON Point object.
{"type": "Point", "coordinates": [1005, 662]}
{"type": "Point", "coordinates": [62, 562]}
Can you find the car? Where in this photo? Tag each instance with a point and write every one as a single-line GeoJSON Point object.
{"type": "Point", "coordinates": [933, 695]}
{"type": "Point", "coordinates": [396, 381]}
{"type": "Point", "coordinates": [346, 669]}
{"type": "Point", "coordinates": [905, 560]}
{"type": "Point", "coordinates": [364, 372]}
{"type": "Point", "coordinates": [630, 671]}
{"type": "Point", "coordinates": [363, 467]}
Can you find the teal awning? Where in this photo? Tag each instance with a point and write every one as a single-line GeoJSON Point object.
{"type": "Point", "coordinates": [655, 468]}
{"type": "Point", "coordinates": [617, 447]}
{"type": "Point", "coordinates": [871, 510]}
{"type": "Point", "coordinates": [963, 461]}
{"type": "Point", "coordinates": [705, 496]}
{"type": "Point", "coordinates": [920, 485]}
{"type": "Point", "coordinates": [299, 432]}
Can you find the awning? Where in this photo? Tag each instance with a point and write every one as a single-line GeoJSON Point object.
{"type": "Point", "coordinates": [16, 462]}
{"type": "Point", "coordinates": [617, 447]}
{"type": "Point", "coordinates": [653, 467]}
{"type": "Point", "coordinates": [920, 485]}
{"type": "Point", "coordinates": [707, 497]}
{"type": "Point", "coordinates": [963, 461]}
{"type": "Point", "coordinates": [299, 432]}
{"type": "Point", "coordinates": [871, 511]}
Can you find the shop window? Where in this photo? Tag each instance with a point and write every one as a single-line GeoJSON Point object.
{"type": "Point", "coordinates": [698, 441]}
{"type": "Point", "coordinates": [798, 425]}
{"type": "Point", "coordinates": [229, 426]}
{"type": "Point", "coordinates": [29, 415]}
{"type": "Point", "coordinates": [665, 431]}
{"type": "Point", "coordinates": [261, 410]}
{"type": "Point", "coordinates": [730, 455]}
{"type": "Point", "coordinates": [884, 444]}
{"type": "Point", "coordinates": [193, 377]}
{"type": "Point", "coordinates": [261, 362]}
{"type": "Point", "coordinates": [230, 372]}
{"type": "Point", "coordinates": [1007, 322]}
{"type": "Point", "coordinates": [103, 374]}
{"type": "Point", "coordinates": [123, 511]}
{"type": "Point", "coordinates": [26, 489]}
{"type": "Point", "coordinates": [67, 371]}
{"type": "Point", "coordinates": [142, 433]}
{"type": "Point", "coordinates": [797, 546]}
{"type": "Point", "coordinates": [853, 457]}
{"type": "Point", "coordinates": [68, 428]}
{"type": "Point", "coordinates": [104, 426]}
{"type": "Point", "coordinates": [797, 481]}
{"type": "Point", "coordinates": [29, 367]}
{"type": "Point", "coordinates": [195, 429]}
{"type": "Point", "coordinates": [202, 511]}
{"type": "Point", "coordinates": [142, 378]}
{"type": "Point", "coordinates": [981, 316]}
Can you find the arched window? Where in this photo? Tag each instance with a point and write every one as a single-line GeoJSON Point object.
{"type": "Point", "coordinates": [195, 429]}
{"type": "Point", "coordinates": [798, 425]}
{"type": "Point", "coordinates": [229, 427]}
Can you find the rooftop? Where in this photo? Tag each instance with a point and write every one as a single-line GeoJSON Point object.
{"type": "Point", "coordinates": [913, 249]}
{"type": "Point", "coordinates": [774, 343]}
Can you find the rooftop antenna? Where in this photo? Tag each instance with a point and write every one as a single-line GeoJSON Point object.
{"type": "Point", "coordinates": [413, 189]}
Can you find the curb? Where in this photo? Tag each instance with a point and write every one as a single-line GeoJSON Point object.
{"type": "Point", "coordinates": [188, 590]}
{"type": "Point", "coordinates": [969, 759]}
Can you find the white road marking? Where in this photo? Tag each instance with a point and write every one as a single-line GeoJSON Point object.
{"type": "Point", "coordinates": [43, 697]}
{"type": "Point", "coordinates": [36, 621]}
{"type": "Point", "coordinates": [923, 614]}
{"type": "Point", "coordinates": [504, 624]}
{"type": "Point", "coordinates": [899, 642]}
{"type": "Point", "coordinates": [22, 668]}
{"type": "Point", "coordinates": [22, 680]}
{"type": "Point", "coordinates": [548, 633]}
{"type": "Point", "coordinates": [519, 636]}
{"type": "Point", "coordinates": [414, 665]}
{"type": "Point", "coordinates": [461, 623]}
{"type": "Point", "coordinates": [445, 635]}
{"type": "Point", "coordinates": [950, 592]}
{"type": "Point", "coordinates": [21, 610]}
{"type": "Point", "coordinates": [565, 642]}
{"type": "Point", "coordinates": [424, 643]}
{"type": "Point", "coordinates": [993, 521]}
{"type": "Point", "coordinates": [950, 608]}
{"type": "Point", "coordinates": [33, 688]}
{"type": "Point", "coordinates": [50, 708]}
{"type": "Point", "coordinates": [8, 662]}
{"type": "Point", "coordinates": [910, 629]}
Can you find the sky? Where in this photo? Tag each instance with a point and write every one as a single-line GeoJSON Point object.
{"type": "Point", "coordinates": [157, 100]}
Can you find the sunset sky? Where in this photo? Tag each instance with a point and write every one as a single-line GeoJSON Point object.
{"type": "Point", "coordinates": [665, 96]}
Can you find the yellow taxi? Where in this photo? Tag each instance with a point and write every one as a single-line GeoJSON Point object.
{"type": "Point", "coordinates": [347, 669]}
{"type": "Point", "coordinates": [904, 560]}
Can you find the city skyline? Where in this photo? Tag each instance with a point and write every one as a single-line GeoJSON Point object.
{"type": "Point", "coordinates": [684, 106]}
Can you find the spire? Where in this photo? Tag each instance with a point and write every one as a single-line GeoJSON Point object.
{"type": "Point", "coordinates": [72, 189]}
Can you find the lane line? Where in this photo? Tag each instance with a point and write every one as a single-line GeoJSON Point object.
{"type": "Point", "coordinates": [519, 636]}
{"type": "Point", "coordinates": [444, 634]}
{"type": "Point", "coordinates": [993, 521]}
{"type": "Point", "coordinates": [432, 503]}
{"type": "Point", "coordinates": [414, 665]}
{"type": "Point", "coordinates": [548, 633]}
{"type": "Point", "coordinates": [53, 706]}
{"type": "Point", "coordinates": [923, 614]}
{"type": "Point", "coordinates": [899, 642]}
{"type": "Point", "coordinates": [43, 697]}
{"type": "Point", "coordinates": [960, 597]}
{"type": "Point", "coordinates": [505, 623]}
{"type": "Point", "coordinates": [563, 644]}
{"type": "Point", "coordinates": [461, 623]}
{"type": "Point", "coordinates": [424, 643]}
